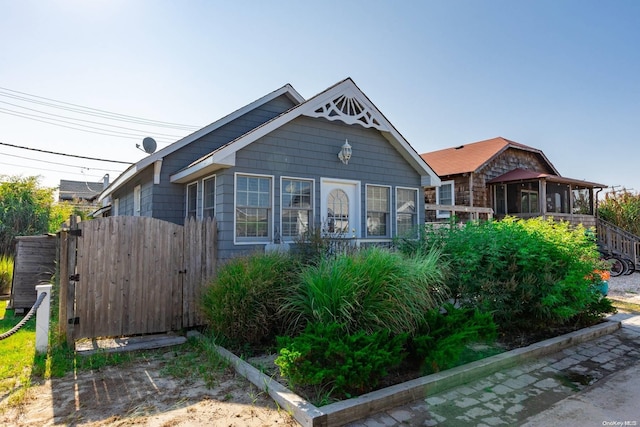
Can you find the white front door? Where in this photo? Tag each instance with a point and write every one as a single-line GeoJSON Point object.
{"type": "Point", "coordinates": [340, 207]}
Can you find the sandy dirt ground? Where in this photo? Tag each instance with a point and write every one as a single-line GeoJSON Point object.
{"type": "Point", "coordinates": [139, 395]}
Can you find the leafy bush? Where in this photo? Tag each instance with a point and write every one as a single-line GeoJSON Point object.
{"type": "Point", "coordinates": [533, 274]}
{"type": "Point", "coordinates": [441, 341]}
{"type": "Point", "coordinates": [369, 290]}
{"type": "Point", "coordinates": [324, 356]}
{"type": "Point", "coordinates": [6, 274]}
{"type": "Point", "coordinates": [242, 302]}
{"type": "Point", "coordinates": [24, 209]}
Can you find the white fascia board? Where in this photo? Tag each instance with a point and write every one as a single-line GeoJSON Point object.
{"type": "Point", "coordinates": [346, 87]}
{"type": "Point", "coordinates": [287, 90]}
{"type": "Point", "coordinates": [210, 164]}
{"type": "Point", "coordinates": [119, 181]}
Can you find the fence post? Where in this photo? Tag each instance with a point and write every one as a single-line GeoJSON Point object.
{"type": "Point", "coordinates": [71, 289]}
{"type": "Point", "coordinates": [63, 283]}
{"type": "Point", "coordinates": [42, 319]}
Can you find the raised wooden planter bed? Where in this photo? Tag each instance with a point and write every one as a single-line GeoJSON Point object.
{"type": "Point", "coordinates": [340, 413]}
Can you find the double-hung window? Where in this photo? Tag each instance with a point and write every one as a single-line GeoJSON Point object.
{"type": "Point", "coordinates": [296, 196]}
{"type": "Point", "coordinates": [378, 211]}
{"type": "Point", "coordinates": [406, 212]}
{"type": "Point", "coordinates": [444, 196]}
{"type": "Point", "coordinates": [192, 200]}
{"type": "Point", "coordinates": [209, 197]}
{"type": "Point", "coordinates": [253, 213]}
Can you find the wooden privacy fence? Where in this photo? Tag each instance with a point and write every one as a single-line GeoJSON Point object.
{"type": "Point", "coordinates": [133, 275]}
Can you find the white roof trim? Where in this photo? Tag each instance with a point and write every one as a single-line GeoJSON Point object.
{"type": "Point", "coordinates": [346, 87]}
{"type": "Point", "coordinates": [159, 155]}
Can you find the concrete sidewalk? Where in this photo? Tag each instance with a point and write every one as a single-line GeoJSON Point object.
{"type": "Point", "coordinates": [591, 384]}
{"type": "Point", "coordinates": [614, 401]}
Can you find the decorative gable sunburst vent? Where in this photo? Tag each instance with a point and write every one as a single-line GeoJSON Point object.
{"type": "Point", "coordinates": [349, 110]}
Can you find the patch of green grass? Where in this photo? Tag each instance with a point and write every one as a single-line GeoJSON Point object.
{"type": "Point", "coordinates": [627, 307]}
{"type": "Point", "coordinates": [16, 354]}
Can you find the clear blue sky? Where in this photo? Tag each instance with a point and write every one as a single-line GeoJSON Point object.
{"type": "Point", "coordinates": [561, 76]}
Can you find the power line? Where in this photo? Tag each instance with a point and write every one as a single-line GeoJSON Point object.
{"type": "Point", "coordinates": [46, 120]}
{"type": "Point", "coordinates": [93, 111]}
{"type": "Point", "coordinates": [50, 170]}
{"type": "Point", "coordinates": [65, 154]}
{"type": "Point", "coordinates": [80, 120]}
{"type": "Point", "coordinates": [59, 164]}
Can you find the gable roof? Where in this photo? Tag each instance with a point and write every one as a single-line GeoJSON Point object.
{"type": "Point", "coordinates": [473, 157]}
{"type": "Point", "coordinates": [343, 101]}
{"type": "Point", "coordinates": [136, 168]}
{"type": "Point", "coordinates": [83, 190]}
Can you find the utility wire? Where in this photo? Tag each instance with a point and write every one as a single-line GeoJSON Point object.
{"type": "Point", "coordinates": [92, 111]}
{"type": "Point", "coordinates": [47, 120]}
{"type": "Point", "coordinates": [65, 154]}
{"type": "Point", "coordinates": [50, 170]}
{"type": "Point", "coordinates": [59, 164]}
{"type": "Point", "coordinates": [81, 120]}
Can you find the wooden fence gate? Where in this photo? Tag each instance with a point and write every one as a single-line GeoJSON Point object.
{"type": "Point", "coordinates": [133, 275]}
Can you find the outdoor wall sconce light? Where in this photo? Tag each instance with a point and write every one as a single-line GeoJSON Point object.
{"type": "Point", "coordinates": [345, 153]}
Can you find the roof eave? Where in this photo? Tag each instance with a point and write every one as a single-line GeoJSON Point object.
{"type": "Point", "coordinates": [286, 90]}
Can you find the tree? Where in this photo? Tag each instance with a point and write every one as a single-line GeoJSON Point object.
{"type": "Point", "coordinates": [24, 209]}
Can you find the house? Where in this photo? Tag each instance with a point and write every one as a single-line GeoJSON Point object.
{"type": "Point", "coordinates": [508, 178]}
{"type": "Point", "coordinates": [79, 191]}
{"type": "Point", "coordinates": [282, 165]}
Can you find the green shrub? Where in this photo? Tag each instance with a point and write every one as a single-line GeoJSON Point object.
{"type": "Point", "coordinates": [531, 274]}
{"type": "Point", "coordinates": [6, 274]}
{"type": "Point", "coordinates": [324, 356]}
{"type": "Point", "coordinates": [442, 339]}
{"type": "Point", "coordinates": [369, 290]}
{"type": "Point", "coordinates": [24, 209]}
{"type": "Point", "coordinates": [242, 303]}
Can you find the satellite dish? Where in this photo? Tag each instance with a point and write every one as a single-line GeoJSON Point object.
{"type": "Point", "coordinates": [148, 145]}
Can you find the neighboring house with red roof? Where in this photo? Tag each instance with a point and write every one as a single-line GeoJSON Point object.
{"type": "Point", "coordinates": [510, 179]}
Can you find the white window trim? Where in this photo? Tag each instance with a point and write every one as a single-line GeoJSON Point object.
{"type": "Point", "coordinates": [395, 207]}
{"type": "Point", "coordinates": [215, 195]}
{"type": "Point", "coordinates": [389, 207]}
{"type": "Point", "coordinates": [186, 199]}
{"type": "Point", "coordinates": [271, 233]}
{"type": "Point", "coordinates": [137, 200]}
{"type": "Point", "coordinates": [115, 211]}
{"type": "Point", "coordinates": [445, 214]}
{"type": "Point", "coordinates": [312, 209]}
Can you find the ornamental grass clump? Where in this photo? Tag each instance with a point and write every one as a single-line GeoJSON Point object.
{"type": "Point", "coordinates": [370, 290]}
{"type": "Point", "coordinates": [242, 303]}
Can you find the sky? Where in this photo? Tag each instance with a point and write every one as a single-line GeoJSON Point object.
{"type": "Point", "coordinates": [77, 77]}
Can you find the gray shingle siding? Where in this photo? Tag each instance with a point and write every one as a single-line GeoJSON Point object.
{"type": "Point", "coordinates": [308, 148]}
